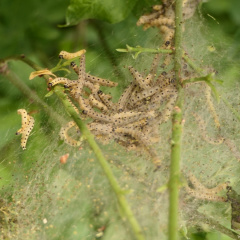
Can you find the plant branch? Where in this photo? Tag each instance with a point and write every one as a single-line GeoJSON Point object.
{"type": "Point", "coordinates": [176, 130]}
{"type": "Point", "coordinates": [104, 164]}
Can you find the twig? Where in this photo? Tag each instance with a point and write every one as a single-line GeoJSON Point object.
{"type": "Point", "coordinates": [176, 130]}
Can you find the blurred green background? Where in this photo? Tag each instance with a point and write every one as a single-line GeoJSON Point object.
{"type": "Point", "coordinates": [32, 28]}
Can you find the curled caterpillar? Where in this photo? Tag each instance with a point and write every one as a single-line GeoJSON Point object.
{"type": "Point", "coordinates": [27, 126]}
{"type": "Point", "coordinates": [68, 56]}
{"type": "Point", "coordinates": [64, 134]}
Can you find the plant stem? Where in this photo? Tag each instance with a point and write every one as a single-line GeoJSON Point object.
{"type": "Point", "coordinates": [176, 130]}
{"type": "Point", "coordinates": [104, 164]}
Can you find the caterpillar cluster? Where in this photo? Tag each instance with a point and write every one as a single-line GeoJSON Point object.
{"type": "Point", "coordinates": [133, 120]}
{"type": "Point", "coordinates": [27, 126]}
{"type": "Point", "coordinates": [163, 17]}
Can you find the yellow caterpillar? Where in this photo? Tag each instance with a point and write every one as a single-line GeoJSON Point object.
{"type": "Point", "coordinates": [27, 126]}
{"type": "Point", "coordinates": [68, 56]}
{"type": "Point", "coordinates": [64, 135]}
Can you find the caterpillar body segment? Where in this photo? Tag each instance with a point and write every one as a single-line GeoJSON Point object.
{"type": "Point", "coordinates": [67, 56]}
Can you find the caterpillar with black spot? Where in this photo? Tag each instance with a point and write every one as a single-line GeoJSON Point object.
{"type": "Point", "coordinates": [100, 81]}
{"type": "Point", "coordinates": [91, 113]}
{"type": "Point", "coordinates": [106, 99]}
{"type": "Point", "coordinates": [27, 126]}
{"type": "Point", "coordinates": [95, 103]}
{"type": "Point", "coordinates": [122, 102]}
{"type": "Point", "coordinates": [201, 192]}
{"type": "Point", "coordinates": [59, 80]}
{"type": "Point", "coordinates": [143, 82]}
{"type": "Point", "coordinates": [125, 118]}
{"type": "Point", "coordinates": [64, 134]}
{"type": "Point", "coordinates": [67, 56]}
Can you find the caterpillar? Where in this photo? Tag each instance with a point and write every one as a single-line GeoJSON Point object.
{"type": "Point", "coordinates": [95, 103]}
{"type": "Point", "coordinates": [64, 134]}
{"type": "Point", "coordinates": [132, 118]}
{"type": "Point", "coordinates": [82, 69]}
{"type": "Point", "coordinates": [204, 196]}
{"type": "Point", "coordinates": [100, 128]}
{"type": "Point", "coordinates": [67, 56]}
{"type": "Point", "coordinates": [162, 21]}
{"type": "Point", "coordinates": [144, 94]}
{"type": "Point", "coordinates": [155, 63]}
{"type": "Point", "coordinates": [125, 97]}
{"type": "Point", "coordinates": [27, 126]}
{"type": "Point", "coordinates": [201, 192]}
{"type": "Point", "coordinates": [91, 113]}
{"type": "Point", "coordinates": [204, 135]}
{"type": "Point", "coordinates": [106, 100]}
{"type": "Point", "coordinates": [100, 81]}
{"type": "Point", "coordinates": [143, 83]}
{"type": "Point", "coordinates": [59, 80]}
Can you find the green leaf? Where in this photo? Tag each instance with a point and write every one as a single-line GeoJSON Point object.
{"type": "Point", "coordinates": [106, 10]}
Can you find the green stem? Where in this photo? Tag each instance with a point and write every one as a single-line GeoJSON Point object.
{"type": "Point", "coordinates": [176, 130]}
{"type": "Point", "coordinates": [104, 164]}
